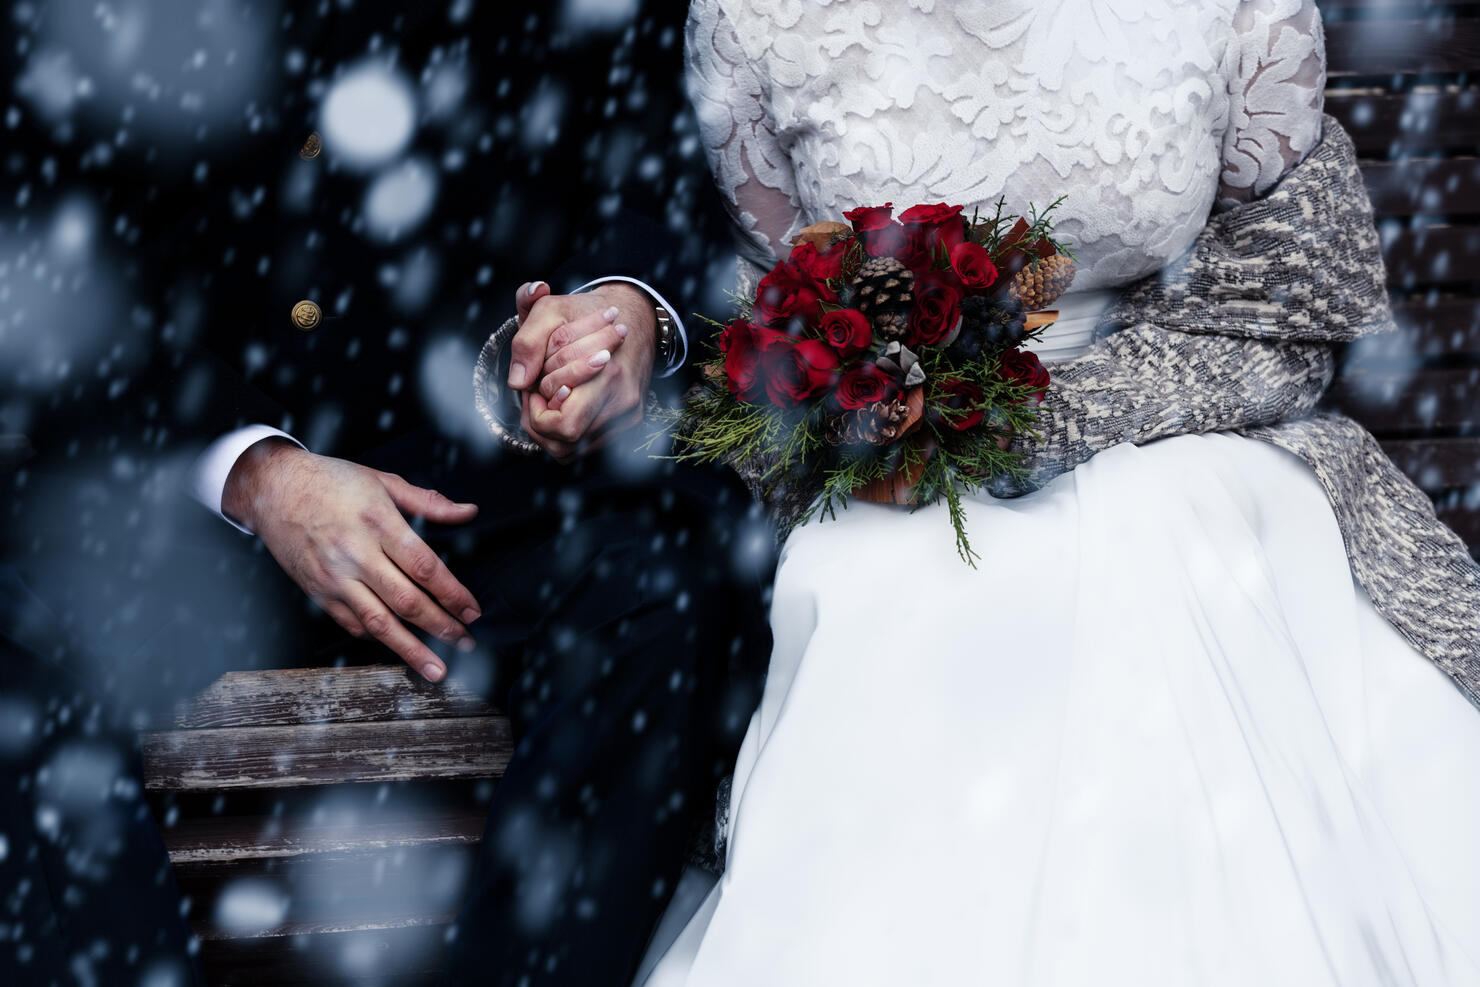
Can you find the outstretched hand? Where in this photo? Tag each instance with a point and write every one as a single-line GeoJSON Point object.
{"type": "Point", "coordinates": [583, 363]}
{"type": "Point", "coordinates": [338, 531]}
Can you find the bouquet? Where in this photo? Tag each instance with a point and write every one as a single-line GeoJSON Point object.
{"type": "Point", "coordinates": [882, 359]}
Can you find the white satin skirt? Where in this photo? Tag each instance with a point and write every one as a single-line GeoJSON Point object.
{"type": "Point", "coordinates": [1158, 736]}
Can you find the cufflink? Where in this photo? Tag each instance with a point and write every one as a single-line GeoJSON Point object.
{"type": "Point", "coordinates": [666, 336]}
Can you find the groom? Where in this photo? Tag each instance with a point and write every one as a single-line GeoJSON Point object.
{"type": "Point", "coordinates": [626, 622]}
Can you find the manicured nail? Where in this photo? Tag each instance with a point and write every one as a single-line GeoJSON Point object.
{"type": "Point", "coordinates": [534, 287]}
{"type": "Point", "coordinates": [610, 314]}
{"type": "Point", "coordinates": [600, 359]}
{"type": "Point", "coordinates": [470, 614]}
{"type": "Point", "coordinates": [433, 672]}
{"type": "Point", "coordinates": [466, 644]}
{"type": "Point", "coordinates": [516, 375]}
{"type": "Point", "coordinates": [621, 331]}
{"type": "Point", "coordinates": [561, 394]}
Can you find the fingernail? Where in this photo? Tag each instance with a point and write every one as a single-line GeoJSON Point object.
{"type": "Point", "coordinates": [535, 287]}
{"type": "Point", "coordinates": [600, 359]}
{"type": "Point", "coordinates": [621, 331]}
{"type": "Point", "coordinates": [610, 314]}
{"type": "Point", "coordinates": [466, 644]}
{"type": "Point", "coordinates": [433, 672]}
{"type": "Point", "coordinates": [516, 375]}
{"type": "Point", "coordinates": [470, 614]}
{"type": "Point", "coordinates": [562, 394]}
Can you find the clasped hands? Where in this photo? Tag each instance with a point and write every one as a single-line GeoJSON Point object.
{"type": "Point", "coordinates": [339, 530]}
{"type": "Point", "coordinates": [582, 363]}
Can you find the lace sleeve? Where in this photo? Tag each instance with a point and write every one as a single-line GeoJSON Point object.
{"type": "Point", "coordinates": [752, 170]}
{"type": "Point", "coordinates": [1277, 81]}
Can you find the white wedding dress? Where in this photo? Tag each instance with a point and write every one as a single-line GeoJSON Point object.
{"type": "Point", "coordinates": [1159, 735]}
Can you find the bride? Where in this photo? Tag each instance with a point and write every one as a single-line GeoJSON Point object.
{"type": "Point", "coordinates": [1160, 734]}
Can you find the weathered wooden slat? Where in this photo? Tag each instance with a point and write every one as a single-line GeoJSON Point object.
{"type": "Point", "coordinates": [1439, 327]}
{"type": "Point", "coordinates": [1388, 46]}
{"type": "Point", "coordinates": [326, 695]}
{"type": "Point", "coordinates": [288, 930]}
{"type": "Point", "coordinates": [342, 891]}
{"type": "Point", "coordinates": [258, 838]}
{"type": "Point", "coordinates": [398, 956]}
{"type": "Point", "coordinates": [1432, 255]}
{"type": "Point", "coordinates": [1387, 124]}
{"type": "Point", "coordinates": [1445, 186]}
{"type": "Point", "coordinates": [324, 754]}
{"type": "Point", "coordinates": [1437, 464]}
{"type": "Point", "coordinates": [1409, 402]}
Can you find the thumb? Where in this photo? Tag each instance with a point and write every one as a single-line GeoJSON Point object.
{"type": "Point", "coordinates": [526, 296]}
{"type": "Point", "coordinates": [421, 502]}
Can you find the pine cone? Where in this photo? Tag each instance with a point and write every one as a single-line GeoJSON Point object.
{"type": "Point", "coordinates": [884, 290]}
{"type": "Point", "coordinates": [835, 430]}
{"type": "Point", "coordinates": [1041, 283]}
{"type": "Point", "coordinates": [879, 424]}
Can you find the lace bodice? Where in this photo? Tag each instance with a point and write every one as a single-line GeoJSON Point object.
{"type": "Point", "coordinates": [1147, 114]}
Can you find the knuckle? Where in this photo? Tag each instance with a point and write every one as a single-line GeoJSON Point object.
{"type": "Point", "coordinates": [405, 603]}
{"type": "Point", "coordinates": [523, 345]}
{"type": "Point", "coordinates": [376, 623]}
{"type": "Point", "coordinates": [423, 567]}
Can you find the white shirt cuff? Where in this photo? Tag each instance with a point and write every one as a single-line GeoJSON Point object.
{"type": "Point", "coordinates": [208, 478]}
{"type": "Point", "coordinates": [681, 351]}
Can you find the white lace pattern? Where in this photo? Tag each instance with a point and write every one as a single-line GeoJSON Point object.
{"type": "Point", "coordinates": [1146, 113]}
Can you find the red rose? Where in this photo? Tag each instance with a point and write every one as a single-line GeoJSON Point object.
{"type": "Point", "coordinates": [862, 385]}
{"type": "Point", "coordinates": [744, 346]}
{"type": "Point", "coordinates": [797, 372]}
{"type": "Point", "coordinates": [788, 293]}
{"type": "Point", "coordinates": [848, 331]}
{"type": "Point", "coordinates": [936, 312]}
{"type": "Point", "coordinates": [819, 265]}
{"type": "Point", "coordinates": [1023, 367]}
{"type": "Point", "coordinates": [973, 265]}
{"type": "Point", "coordinates": [960, 401]}
{"type": "Point", "coordinates": [932, 227]}
{"type": "Point", "coordinates": [866, 218]}
{"type": "Point", "coordinates": [893, 241]}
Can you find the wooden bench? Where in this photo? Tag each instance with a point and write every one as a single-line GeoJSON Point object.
{"type": "Point", "coordinates": [322, 821]}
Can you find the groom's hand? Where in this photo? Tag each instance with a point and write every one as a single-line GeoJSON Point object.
{"type": "Point", "coordinates": [337, 530]}
{"type": "Point", "coordinates": [594, 357]}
